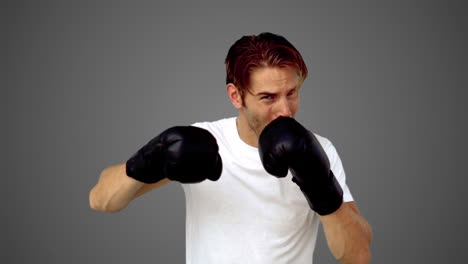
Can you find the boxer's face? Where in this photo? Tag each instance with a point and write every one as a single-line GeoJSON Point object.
{"type": "Point", "coordinates": [273, 92]}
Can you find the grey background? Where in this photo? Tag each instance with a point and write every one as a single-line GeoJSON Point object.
{"type": "Point", "coordinates": [86, 83]}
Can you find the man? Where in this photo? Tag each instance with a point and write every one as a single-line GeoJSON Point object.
{"type": "Point", "coordinates": [256, 185]}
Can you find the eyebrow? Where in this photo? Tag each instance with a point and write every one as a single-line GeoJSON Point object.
{"type": "Point", "coordinates": [264, 93]}
{"type": "Point", "coordinates": [269, 93]}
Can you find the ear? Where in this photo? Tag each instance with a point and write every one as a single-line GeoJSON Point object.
{"type": "Point", "coordinates": [234, 95]}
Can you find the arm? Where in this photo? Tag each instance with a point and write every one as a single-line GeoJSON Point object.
{"type": "Point", "coordinates": [183, 154]}
{"type": "Point", "coordinates": [115, 190]}
{"type": "Point", "coordinates": [284, 145]}
{"type": "Point", "coordinates": [348, 234]}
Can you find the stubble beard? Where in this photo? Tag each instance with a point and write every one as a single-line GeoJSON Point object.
{"type": "Point", "coordinates": [255, 123]}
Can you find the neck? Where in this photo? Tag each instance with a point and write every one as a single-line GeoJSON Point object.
{"type": "Point", "coordinates": [246, 132]}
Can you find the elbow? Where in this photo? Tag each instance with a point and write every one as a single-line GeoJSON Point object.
{"type": "Point", "coordinates": [100, 199]}
{"type": "Point", "coordinates": [363, 252]}
{"type": "Point", "coordinates": [100, 205]}
{"type": "Point", "coordinates": [363, 257]}
{"type": "Point", "coordinates": [94, 202]}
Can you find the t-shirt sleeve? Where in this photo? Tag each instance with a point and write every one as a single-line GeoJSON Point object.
{"type": "Point", "coordinates": [338, 170]}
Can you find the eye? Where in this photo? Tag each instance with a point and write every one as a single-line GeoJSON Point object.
{"type": "Point", "coordinates": [292, 92]}
{"type": "Point", "coordinates": [267, 97]}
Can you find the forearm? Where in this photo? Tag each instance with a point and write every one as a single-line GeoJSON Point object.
{"type": "Point", "coordinates": [348, 234]}
{"type": "Point", "coordinates": [114, 190]}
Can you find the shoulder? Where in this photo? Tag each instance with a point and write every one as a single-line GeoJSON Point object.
{"type": "Point", "coordinates": [213, 124]}
{"type": "Point", "coordinates": [327, 146]}
{"type": "Point", "coordinates": [325, 142]}
{"type": "Point", "coordinates": [218, 127]}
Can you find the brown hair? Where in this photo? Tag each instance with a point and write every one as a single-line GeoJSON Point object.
{"type": "Point", "coordinates": [265, 50]}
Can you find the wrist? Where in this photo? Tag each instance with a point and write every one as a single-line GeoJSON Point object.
{"type": "Point", "coordinates": [137, 169]}
{"type": "Point", "coordinates": [323, 199]}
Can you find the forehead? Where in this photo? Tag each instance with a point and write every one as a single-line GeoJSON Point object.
{"type": "Point", "coordinates": [273, 78]}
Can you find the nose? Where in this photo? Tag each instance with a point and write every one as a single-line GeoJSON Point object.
{"type": "Point", "coordinates": [284, 108]}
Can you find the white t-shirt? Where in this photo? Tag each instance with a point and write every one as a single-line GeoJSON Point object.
{"type": "Point", "coordinates": [248, 215]}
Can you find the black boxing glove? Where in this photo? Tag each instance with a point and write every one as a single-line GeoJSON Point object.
{"type": "Point", "coordinates": [186, 154]}
{"type": "Point", "coordinates": [285, 144]}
